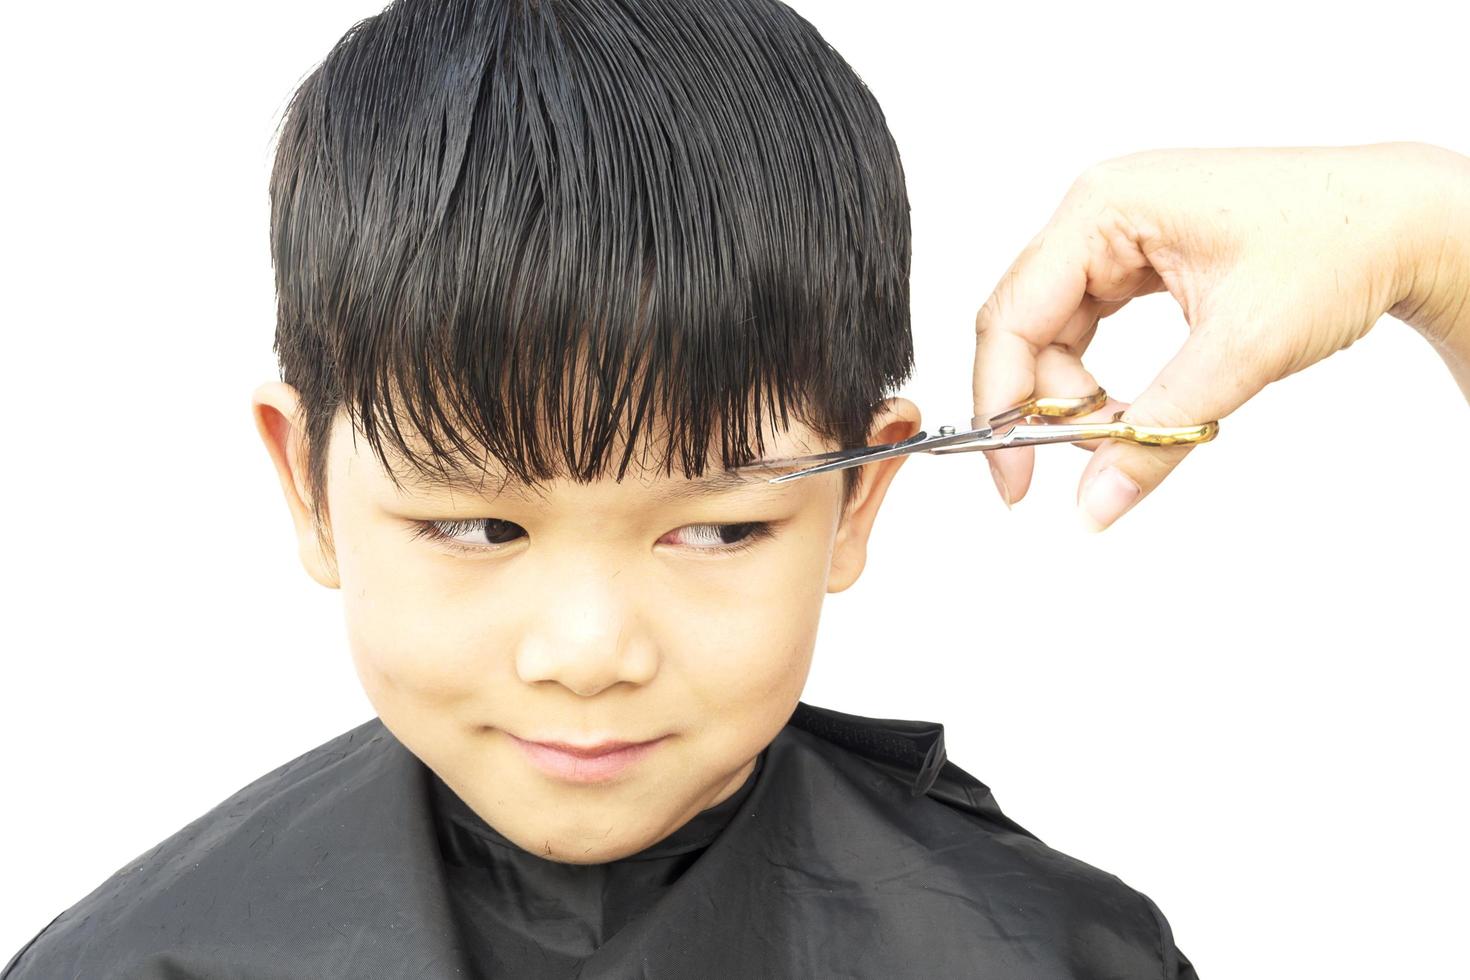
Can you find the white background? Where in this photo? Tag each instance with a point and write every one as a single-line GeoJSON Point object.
{"type": "Point", "coordinates": [1245, 699]}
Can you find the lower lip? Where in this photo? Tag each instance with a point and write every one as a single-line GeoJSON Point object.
{"type": "Point", "coordinates": [583, 769]}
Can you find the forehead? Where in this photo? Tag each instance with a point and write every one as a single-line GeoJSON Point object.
{"type": "Point", "coordinates": [482, 475]}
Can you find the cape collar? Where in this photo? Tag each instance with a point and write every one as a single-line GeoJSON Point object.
{"type": "Point", "coordinates": [910, 751]}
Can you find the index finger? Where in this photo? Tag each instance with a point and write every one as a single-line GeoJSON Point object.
{"type": "Point", "coordinates": [1041, 300]}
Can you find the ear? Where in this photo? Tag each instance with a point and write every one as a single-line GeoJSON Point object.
{"type": "Point", "coordinates": [897, 420]}
{"type": "Point", "coordinates": [276, 409]}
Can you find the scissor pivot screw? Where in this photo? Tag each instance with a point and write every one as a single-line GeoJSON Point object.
{"type": "Point", "coordinates": [946, 430]}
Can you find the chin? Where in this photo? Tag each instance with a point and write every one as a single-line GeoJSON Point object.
{"type": "Point", "coordinates": [572, 852]}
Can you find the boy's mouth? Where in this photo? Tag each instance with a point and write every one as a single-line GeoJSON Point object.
{"type": "Point", "coordinates": [585, 764]}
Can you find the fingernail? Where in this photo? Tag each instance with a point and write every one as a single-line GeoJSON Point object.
{"type": "Point", "coordinates": [1000, 482]}
{"type": "Point", "coordinates": [1106, 498]}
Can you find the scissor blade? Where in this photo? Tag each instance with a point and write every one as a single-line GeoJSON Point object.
{"type": "Point", "coordinates": [920, 443]}
{"type": "Point", "coordinates": [859, 459]}
{"type": "Point", "coordinates": [839, 460]}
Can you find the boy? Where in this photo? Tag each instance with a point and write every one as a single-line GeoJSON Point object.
{"type": "Point", "coordinates": [547, 272]}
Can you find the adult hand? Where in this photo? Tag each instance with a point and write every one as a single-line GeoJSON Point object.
{"type": "Point", "coordinates": [1278, 258]}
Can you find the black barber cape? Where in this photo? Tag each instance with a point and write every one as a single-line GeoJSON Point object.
{"type": "Point", "coordinates": [855, 849]}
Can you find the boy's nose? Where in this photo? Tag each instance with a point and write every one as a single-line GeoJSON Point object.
{"type": "Point", "coordinates": [585, 635]}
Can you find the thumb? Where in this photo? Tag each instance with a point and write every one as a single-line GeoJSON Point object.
{"type": "Point", "coordinates": [1202, 383]}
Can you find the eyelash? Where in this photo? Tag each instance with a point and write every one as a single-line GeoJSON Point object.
{"type": "Point", "coordinates": [443, 532]}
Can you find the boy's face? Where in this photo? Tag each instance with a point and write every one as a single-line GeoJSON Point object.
{"type": "Point", "coordinates": [629, 611]}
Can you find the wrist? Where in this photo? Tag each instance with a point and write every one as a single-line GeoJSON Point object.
{"type": "Point", "coordinates": [1433, 283]}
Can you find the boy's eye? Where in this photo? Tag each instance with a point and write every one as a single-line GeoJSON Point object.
{"type": "Point", "coordinates": [486, 534]}
{"type": "Point", "coordinates": [491, 534]}
{"type": "Point", "coordinates": [722, 537]}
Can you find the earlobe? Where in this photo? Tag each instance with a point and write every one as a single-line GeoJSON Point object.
{"type": "Point", "coordinates": [897, 420]}
{"type": "Point", "coordinates": [275, 407]}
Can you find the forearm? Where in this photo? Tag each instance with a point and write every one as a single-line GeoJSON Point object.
{"type": "Point", "coordinates": [1435, 287]}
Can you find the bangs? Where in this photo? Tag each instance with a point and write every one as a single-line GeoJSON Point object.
{"type": "Point", "coordinates": [540, 391]}
{"type": "Point", "coordinates": [580, 236]}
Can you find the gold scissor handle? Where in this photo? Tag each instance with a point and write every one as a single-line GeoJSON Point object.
{"type": "Point", "coordinates": [1024, 434]}
{"type": "Point", "coordinates": [1045, 407]}
{"type": "Point", "coordinates": [1038, 435]}
{"type": "Point", "coordinates": [1152, 435]}
{"type": "Point", "coordinates": [1065, 407]}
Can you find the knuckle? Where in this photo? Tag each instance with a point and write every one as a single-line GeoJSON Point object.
{"type": "Point", "coordinates": [985, 317]}
{"type": "Point", "coordinates": [1098, 178]}
{"type": "Point", "coordinates": [992, 311]}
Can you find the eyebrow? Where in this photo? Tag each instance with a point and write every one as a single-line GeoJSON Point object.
{"type": "Point", "coordinates": [478, 482]}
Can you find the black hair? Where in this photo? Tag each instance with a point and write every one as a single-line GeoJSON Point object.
{"type": "Point", "coordinates": [517, 224]}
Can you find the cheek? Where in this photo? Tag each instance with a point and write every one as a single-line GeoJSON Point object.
{"type": "Point", "coordinates": [412, 658]}
{"type": "Point", "coordinates": [749, 637]}
{"type": "Point", "coordinates": [406, 646]}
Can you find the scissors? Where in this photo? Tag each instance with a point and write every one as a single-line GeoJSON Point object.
{"type": "Point", "coordinates": [1028, 426]}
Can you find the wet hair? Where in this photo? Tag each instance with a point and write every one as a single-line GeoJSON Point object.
{"type": "Point", "coordinates": [535, 228]}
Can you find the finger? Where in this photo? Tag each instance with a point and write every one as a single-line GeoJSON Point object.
{"type": "Point", "coordinates": [1104, 414]}
{"type": "Point", "coordinates": [1060, 372]}
{"type": "Point", "coordinates": [1029, 308]}
{"type": "Point", "coordinates": [1009, 468]}
{"type": "Point", "coordinates": [1080, 347]}
{"type": "Point", "coordinates": [1205, 381]}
